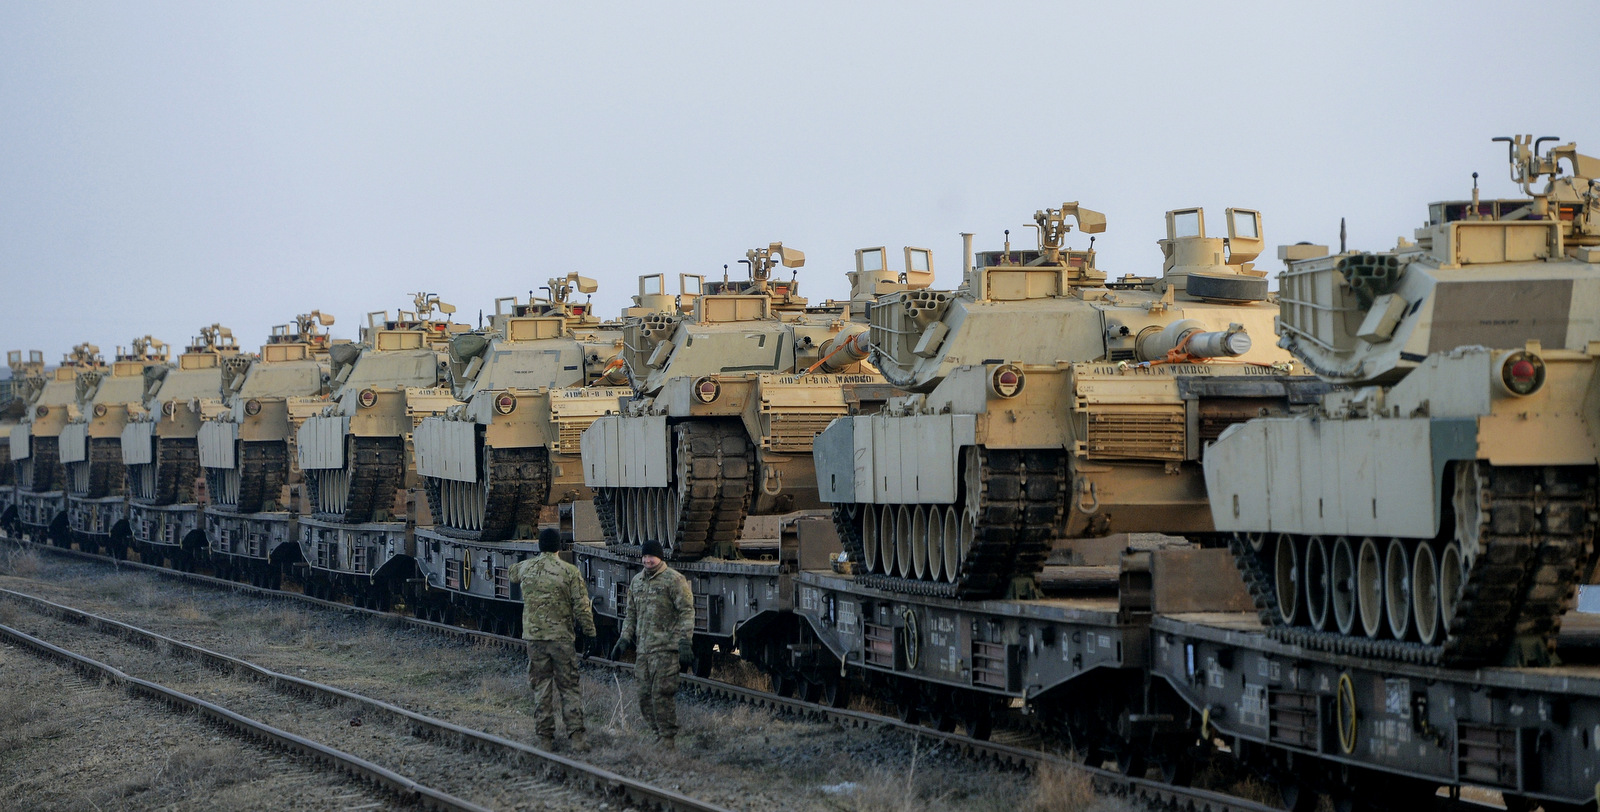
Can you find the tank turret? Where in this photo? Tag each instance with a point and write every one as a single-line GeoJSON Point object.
{"type": "Point", "coordinates": [530, 384]}
{"type": "Point", "coordinates": [1050, 401]}
{"type": "Point", "coordinates": [1439, 510]}
{"type": "Point", "coordinates": [732, 385]}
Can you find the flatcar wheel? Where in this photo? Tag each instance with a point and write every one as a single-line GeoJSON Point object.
{"type": "Point", "coordinates": [1297, 797]}
{"type": "Point", "coordinates": [979, 722]}
{"type": "Point", "coordinates": [834, 693]}
{"type": "Point", "coordinates": [810, 689]}
{"type": "Point", "coordinates": [940, 718]}
{"type": "Point", "coordinates": [1286, 571]}
{"type": "Point", "coordinates": [783, 684]}
{"type": "Point", "coordinates": [1131, 762]}
{"type": "Point", "coordinates": [1176, 769]}
{"type": "Point", "coordinates": [906, 709]}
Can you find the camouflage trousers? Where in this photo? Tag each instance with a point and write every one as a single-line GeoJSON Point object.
{"type": "Point", "coordinates": [657, 676]}
{"type": "Point", "coordinates": [553, 676]}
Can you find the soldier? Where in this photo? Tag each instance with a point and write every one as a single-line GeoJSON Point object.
{"type": "Point", "coordinates": [660, 618]}
{"type": "Point", "coordinates": [553, 599]}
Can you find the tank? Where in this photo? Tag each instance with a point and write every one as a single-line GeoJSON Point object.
{"type": "Point", "coordinates": [730, 394]}
{"type": "Point", "coordinates": [35, 446]}
{"type": "Point", "coordinates": [354, 452]}
{"type": "Point", "coordinates": [17, 394]}
{"type": "Point", "coordinates": [1046, 401]}
{"type": "Point", "coordinates": [529, 385]}
{"type": "Point", "coordinates": [1440, 507]}
{"type": "Point", "coordinates": [246, 449]}
{"type": "Point", "coordinates": [160, 444]}
{"type": "Point", "coordinates": [90, 447]}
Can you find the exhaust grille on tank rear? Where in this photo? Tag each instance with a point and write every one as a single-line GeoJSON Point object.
{"type": "Point", "coordinates": [1155, 434]}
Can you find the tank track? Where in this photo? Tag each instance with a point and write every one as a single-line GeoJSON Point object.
{"type": "Point", "coordinates": [1535, 545]}
{"type": "Point", "coordinates": [1017, 499]}
{"type": "Point", "coordinates": [262, 467]}
{"type": "Point", "coordinates": [46, 459]}
{"type": "Point", "coordinates": [714, 474]}
{"type": "Point", "coordinates": [8, 472]}
{"type": "Point", "coordinates": [519, 487]}
{"type": "Point", "coordinates": [177, 465]}
{"type": "Point", "coordinates": [605, 509]}
{"type": "Point", "coordinates": [107, 473]}
{"type": "Point", "coordinates": [376, 468]}
{"type": "Point", "coordinates": [847, 523]}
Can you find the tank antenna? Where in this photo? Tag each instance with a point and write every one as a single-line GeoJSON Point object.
{"type": "Point", "coordinates": [480, 318]}
{"type": "Point", "coordinates": [1341, 235]}
{"type": "Point", "coordinates": [1475, 211]}
{"type": "Point", "coordinates": [724, 273]}
{"type": "Point", "coordinates": [1006, 257]}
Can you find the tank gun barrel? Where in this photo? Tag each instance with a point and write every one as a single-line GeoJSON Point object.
{"type": "Point", "coordinates": [841, 352]}
{"type": "Point", "coordinates": [1189, 338]}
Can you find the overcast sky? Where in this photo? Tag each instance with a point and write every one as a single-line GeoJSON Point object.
{"type": "Point", "coordinates": [168, 165]}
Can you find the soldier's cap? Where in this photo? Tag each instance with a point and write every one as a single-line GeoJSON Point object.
{"type": "Point", "coordinates": [651, 547]}
{"type": "Point", "coordinates": [549, 540]}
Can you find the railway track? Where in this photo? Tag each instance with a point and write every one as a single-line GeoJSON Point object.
{"type": "Point", "coordinates": [1013, 752]}
{"type": "Point", "coordinates": [408, 742]}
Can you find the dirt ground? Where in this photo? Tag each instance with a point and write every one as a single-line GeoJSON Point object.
{"type": "Point", "coordinates": [730, 754]}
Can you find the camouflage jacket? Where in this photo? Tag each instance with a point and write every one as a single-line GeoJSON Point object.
{"type": "Point", "coordinates": [660, 610]}
{"type": "Point", "coordinates": [553, 598]}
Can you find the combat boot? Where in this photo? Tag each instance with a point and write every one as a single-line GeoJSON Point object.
{"type": "Point", "coordinates": [668, 742]}
{"type": "Point", "coordinates": [547, 744]}
{"type": "Point", "coordinates": [578, 742]}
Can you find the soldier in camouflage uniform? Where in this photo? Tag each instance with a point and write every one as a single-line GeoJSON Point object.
{"type": "Point", "coordinates": [554, 598]}
{"type": "Point", "coordinates": [660, 618]}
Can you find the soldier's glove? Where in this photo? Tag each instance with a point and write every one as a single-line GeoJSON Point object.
{"type": "Point", "coordinates": [619, 649]}
{"type": "Point", "coordinates": [685, 653]}
{"type": "Point", "coordinates": [585, 644]}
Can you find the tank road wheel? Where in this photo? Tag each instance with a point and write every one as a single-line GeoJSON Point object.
{"type": "Point", "coordinates": [1425, 593]}
{"type": "Point", "coordinates": [1369, 587]}
{"type": "Point", "coordinates": [1397, 589]}
{"type": "Point", "coordinates": [869, 538]}
{"type": "Point", "coordinates": [1317, 583]}
{"type": "Point", "coordinates": [903, 563]}
{"type": "Point", "coordinates": [1286, 580]}
{"type": "Point", "coordinates": [1451, 579]}
{"type": "Point", "coordinates": [886, 539]}
{"type": "Point", "coordinates": [936, 522]}
{"type": "Point", "coordinates": [1342, 585]}
{"type": "Point", "coordinates": [919, 543]}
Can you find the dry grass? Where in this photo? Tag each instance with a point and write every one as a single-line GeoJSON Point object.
{"type": "Point", "coordinates": [1060, 790]}
{"type": "Point", "coordinates": [19, 561]}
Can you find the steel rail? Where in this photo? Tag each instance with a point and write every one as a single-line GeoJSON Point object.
{"type": "Point", "coordinates": [407, 789]}
{"type": "Point", "coordinates": [1156, 794]}
{"type": "Point", "coordinates": [600, 780]}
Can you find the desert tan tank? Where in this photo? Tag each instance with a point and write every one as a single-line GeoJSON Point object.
{"type": "Point", "coordinates": [529, 385]}
{"type": "Point", "coordinates": [246, 450]}
{"type": "Point", "coordinates": [160, 444]}
{"type": "Point", "coordinates": [1442, 508]}
{"type": "Point", "coordinates": [35, 446]}
{"type": "Point", "coordinates": [354, 453]}
{"type": "Point", "coordinates": [91, 443]}
{"type": "Point", "coordinates": [1050, 402]}
{"type": "Point", "coordinates": [17, 396]}
{"type": "Point", "coordinates": [730, 396]}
